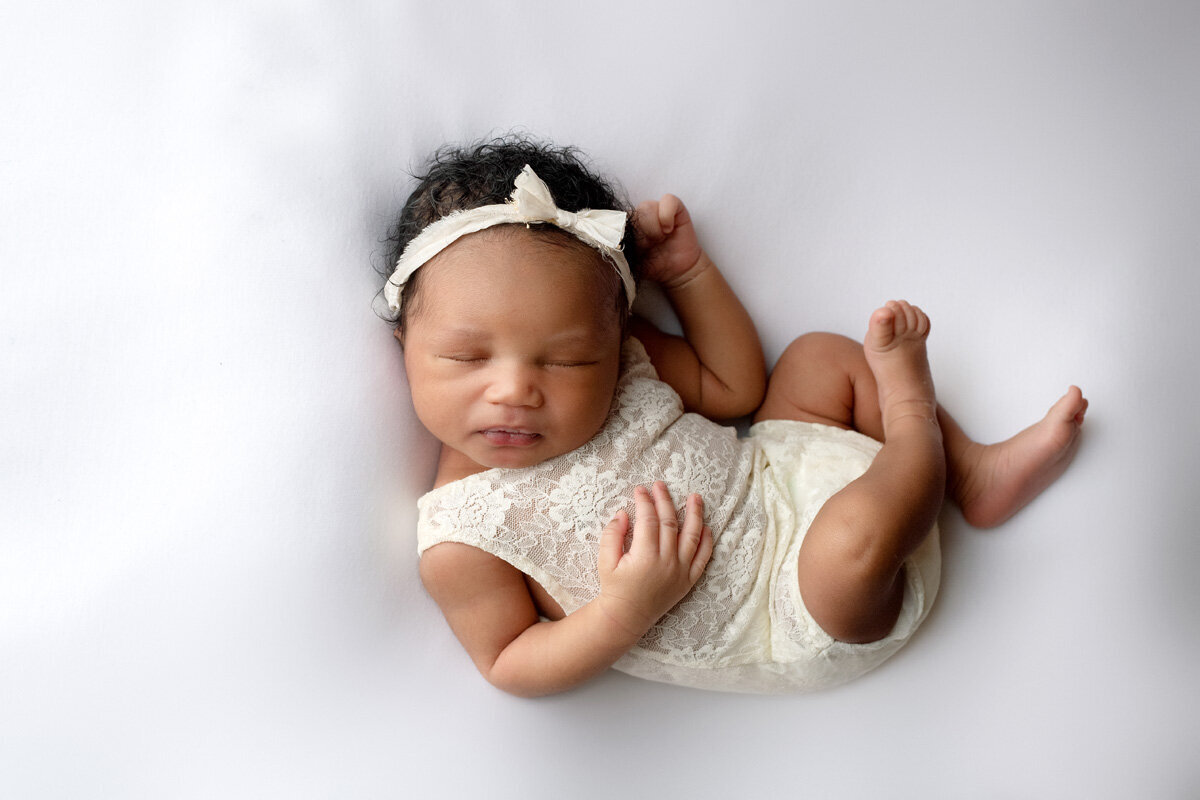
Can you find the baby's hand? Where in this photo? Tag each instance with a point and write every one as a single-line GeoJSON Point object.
{"type": "Point", "coordinates": [666, 236]}
{"type": "Point", "coordinates": [663, 562]}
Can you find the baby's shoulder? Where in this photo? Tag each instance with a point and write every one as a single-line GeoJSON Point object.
{"type": "Point", "coordinates": [454, 573]}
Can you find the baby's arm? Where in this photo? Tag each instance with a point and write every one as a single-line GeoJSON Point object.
{"type": "Point", "coordinates": [717, 367]}
{"type": "Point", "coordinates": [490, 610]}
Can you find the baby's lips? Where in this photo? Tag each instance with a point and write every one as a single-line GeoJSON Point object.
{"type": "Point", "coordinates": [510, 437]}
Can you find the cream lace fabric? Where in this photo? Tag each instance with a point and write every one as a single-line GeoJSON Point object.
{"type": "Point", "coordinates": [743, 627]}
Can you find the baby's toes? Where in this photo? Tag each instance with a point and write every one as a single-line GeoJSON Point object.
{"type": "Point", "coordinates": [922, 322]}
{"type": "Point", "coordinates": [916, 321]}
{"type": "Point", "coordinates": [1071, 406]}
{"type": "Point", "coordinates": [904, 316]}
{"type": "Point", "coordinates": [881, 329]}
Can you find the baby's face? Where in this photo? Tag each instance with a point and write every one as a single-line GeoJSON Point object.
{"type": "Point", "coordinates": [512, 357]}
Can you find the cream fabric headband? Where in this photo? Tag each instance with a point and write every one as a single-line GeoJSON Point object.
{"type": "Point", "coordinates": [530, 202]}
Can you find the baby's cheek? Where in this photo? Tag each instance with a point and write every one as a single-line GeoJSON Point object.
{"type": "Point", "coordinates": [431, 405]}
{"type": "Point", "coordinates": [598, 413]}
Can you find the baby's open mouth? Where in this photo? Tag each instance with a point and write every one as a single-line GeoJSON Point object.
{"type": "Point", "coordinates": [508, 437]}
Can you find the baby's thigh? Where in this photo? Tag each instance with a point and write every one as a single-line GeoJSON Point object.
{"type": "Point", "coordinates": [824, 378]}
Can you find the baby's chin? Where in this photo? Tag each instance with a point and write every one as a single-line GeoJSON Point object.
{"type": "Point", "coordinates": [517, 452]}
{"type": "Point", "coordinates": [516, 459]}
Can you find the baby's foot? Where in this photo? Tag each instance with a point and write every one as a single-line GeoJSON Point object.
{"type": "Point", "coordinates": [993, 482]}
{"type": "Point", "coordinates": [895, 351]}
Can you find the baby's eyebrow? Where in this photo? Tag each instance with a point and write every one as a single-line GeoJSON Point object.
{"type": "Point", "coordinates": [574, 336]}
{"type": "Point", "coordinates": [461, 335]}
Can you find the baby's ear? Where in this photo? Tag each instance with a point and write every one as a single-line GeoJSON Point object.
{"type": "Point", "coordinates": [398, 332]}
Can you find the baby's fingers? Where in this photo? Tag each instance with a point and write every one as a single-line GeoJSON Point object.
{"type": "Point", "coordinates": [668, 519]}
{"type": "Point", "coordinates": [696, 539]}
{"type": "Point", "coordinates": [645, 530]}
{"type": "Point", "coordinates": [612, 542]}
{"type": "Point", "coordinates": [646, 224]}
{"type": "Point", "coordinates": [703, 554]}
{"type": "Point", "coordinates": [670, 209]}
{"type": "Point", "coordinates": [693, 528]}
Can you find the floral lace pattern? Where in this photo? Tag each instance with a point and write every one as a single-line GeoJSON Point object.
{"type": "Point", "coordinates": [740, 628]}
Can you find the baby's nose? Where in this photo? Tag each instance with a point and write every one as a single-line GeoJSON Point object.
{"type": "Point", "coordinates": [514, 385]}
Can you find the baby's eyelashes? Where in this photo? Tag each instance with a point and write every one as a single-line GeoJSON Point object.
{"type": "Point", "coordinates": [470, 358]}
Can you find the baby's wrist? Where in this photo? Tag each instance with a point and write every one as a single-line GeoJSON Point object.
{"type": "Point", "coordinates": [684, 279]}
{"type": "Point", "coordinates": [625, 622]}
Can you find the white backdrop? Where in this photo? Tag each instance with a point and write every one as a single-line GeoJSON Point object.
{"type": "Point", "coordinates": [209, 463]}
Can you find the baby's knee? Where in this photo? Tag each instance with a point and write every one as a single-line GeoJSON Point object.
{"type": "Point", "coordinates": [824, 349]}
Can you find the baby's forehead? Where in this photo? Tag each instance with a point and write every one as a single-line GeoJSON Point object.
{"type": "Point", "coordinates": [487, 252]}
{"type": "Point", "coordinates": [466, 332]}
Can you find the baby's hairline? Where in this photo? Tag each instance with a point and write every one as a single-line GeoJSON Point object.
{"type": "Point", "coordinates": [608, 283]}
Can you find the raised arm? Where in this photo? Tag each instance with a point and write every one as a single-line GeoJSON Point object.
{"type": "Point", "coordinates": [490, 610]}
{"type": "Point", "coordinates": [717, 367]}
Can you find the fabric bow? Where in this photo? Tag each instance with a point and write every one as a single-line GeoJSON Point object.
{"type": "Point", "coordinates": [531, 197]}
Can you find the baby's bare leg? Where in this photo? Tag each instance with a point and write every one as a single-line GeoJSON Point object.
{"type": "Point", "coordinates": [832, 380]}
{"type": "Point", "coordinates": [851, 562]}
{"type": "Point", "coordinates": [825, 378]}
{"type": "Point", "coordinates": [992, 482]}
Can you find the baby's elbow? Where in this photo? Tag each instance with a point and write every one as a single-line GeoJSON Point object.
{"type": "Point", "coordinates": [757, 386]}
{"type": "Point", "coordinates": [516, 690]}
{"type": "Point", "coordinates": [736, 402]}
{"type": "Point", "coordinates": [750, 390]}
{"type": "Point", "coordinates": [735, 409]}
{"type": "Point", "coordinates": [751, 398]}
{"type": "Point", "coordinates": [514, 684]}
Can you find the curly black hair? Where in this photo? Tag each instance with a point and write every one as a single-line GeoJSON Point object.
{"type": "Point", "coordinates": [458, 177]}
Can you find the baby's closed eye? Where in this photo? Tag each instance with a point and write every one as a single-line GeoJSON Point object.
{"type": "Point", "coordinates": [480, 358]}
{"type": "Point", "coordinates": [570, 363]}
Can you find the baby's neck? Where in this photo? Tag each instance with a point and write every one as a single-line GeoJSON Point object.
{"type": "Point", "coordinates": [453, 466]}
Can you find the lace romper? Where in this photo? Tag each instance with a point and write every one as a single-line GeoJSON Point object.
{"type": "Point", "coordinates": [743, 626]}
